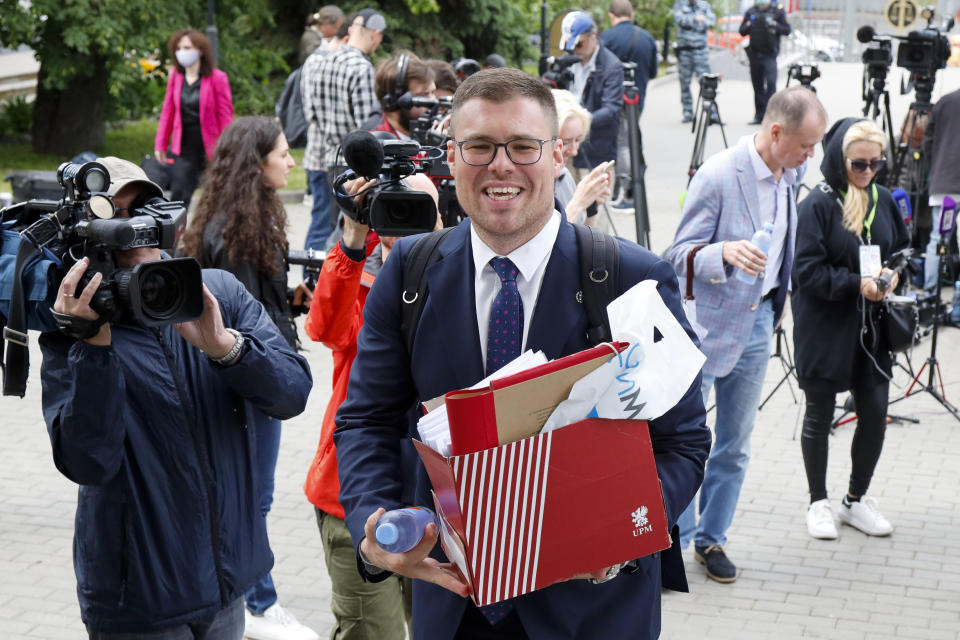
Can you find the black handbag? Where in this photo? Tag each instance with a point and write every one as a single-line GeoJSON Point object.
{"type": "Point", "coordinates": [898, 322]}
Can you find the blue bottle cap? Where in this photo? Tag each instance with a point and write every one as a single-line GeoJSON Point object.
{"type": "Point", "coordinates": [387, 533]}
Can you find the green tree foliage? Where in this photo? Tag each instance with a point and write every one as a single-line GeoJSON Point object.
{"type": "Point", "coordinates": [90, 53]}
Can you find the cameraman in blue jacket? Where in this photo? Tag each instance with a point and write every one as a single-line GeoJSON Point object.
{"type": "Point", "coordinates": [157, 425]}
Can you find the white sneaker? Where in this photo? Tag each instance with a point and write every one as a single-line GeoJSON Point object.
{"type": "Point", "coordinates": [276, 623]}
{"type": "Point", "coordinates": [820, 522]}
{"type": "Point", "coordinates": [865, 516]}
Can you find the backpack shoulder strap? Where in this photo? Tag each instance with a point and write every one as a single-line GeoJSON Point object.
{"type": "Point", "coordinates": [599, 278]}
{"type": "Point", "coordinates": [423, 253]}
{"type": "Point", "coordinates": [17, 362]}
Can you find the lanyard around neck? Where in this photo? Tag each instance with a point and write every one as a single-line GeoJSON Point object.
{"type": "Point", "coordinates": [868, 222]}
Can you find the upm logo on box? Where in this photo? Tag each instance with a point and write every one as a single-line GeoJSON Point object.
{"type": "Point", "coordinates": [527, 514]}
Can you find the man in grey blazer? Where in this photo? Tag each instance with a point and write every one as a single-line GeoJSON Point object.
{"type": "Point", "coordinates": [733, 194]}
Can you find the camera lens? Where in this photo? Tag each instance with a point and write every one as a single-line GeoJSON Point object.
{"type": "Point", "coordinates": [159, 292]}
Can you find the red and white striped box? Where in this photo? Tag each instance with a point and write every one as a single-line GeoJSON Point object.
{"type": "Point", "coordinates": [524, 515]}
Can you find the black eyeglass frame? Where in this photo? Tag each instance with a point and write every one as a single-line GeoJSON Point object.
{"type": "Point", "coordinates": [506, 149]}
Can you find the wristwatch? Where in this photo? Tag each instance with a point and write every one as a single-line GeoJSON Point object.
{"type": "Point", "coordinates": [612, 573]}
{"type": "Point", "coordinates": [234, 352]}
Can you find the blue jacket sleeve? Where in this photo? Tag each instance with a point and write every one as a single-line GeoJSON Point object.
{"type": "Point", "coordinates": [371, 422]}
{"type": "Point", "coordinates": [611, 97]}
{"type": "Point", "coordinates": [83, 396]}
{"type": "Point", "coordinates": [270, 375]}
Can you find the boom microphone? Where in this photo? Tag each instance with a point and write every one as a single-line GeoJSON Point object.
{"type": "Point", "coordinates": [903, 204]}
{"type": "Point", "coordinates": [363, 153]}
{"type": "Point", "coordinates": [865, 33]}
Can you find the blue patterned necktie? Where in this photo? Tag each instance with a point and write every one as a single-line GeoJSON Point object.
{"type": "Point", "coordinates": [504, 339]}
{"type": "Point", "coordinates": [505, 332]}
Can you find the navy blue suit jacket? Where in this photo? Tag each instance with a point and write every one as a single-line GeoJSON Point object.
{"type": "Point", "coordinates": [603, 98]}
{"type": "Point", "coordinates": [385, 381]}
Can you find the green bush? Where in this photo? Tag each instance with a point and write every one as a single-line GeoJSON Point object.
{"type": "Point", "coordinates": [16, 119]}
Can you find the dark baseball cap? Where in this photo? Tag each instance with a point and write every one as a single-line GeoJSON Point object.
{"type": "Point", "coordinates": [370, 19]}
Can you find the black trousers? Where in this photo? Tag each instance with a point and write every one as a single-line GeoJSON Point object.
{"type": "Point", "coordinates": [189, 165]}
{"type": "Point", "coordinates": [871, 407]}
{"type": "Point", "coordinates": [763, 75]}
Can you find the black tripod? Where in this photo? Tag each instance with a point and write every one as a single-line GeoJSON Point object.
{"type": "Point", "coordinates": [876, 103]}
{"type": "Point", "coordinates": [705, 114]}
{"type": "Point", "coordinates": [911, 167]}
{"type": "Point", "coordinates": [781, 352]}
{"type": "Point", "coordinates": [638, 165]}
{"type": "Point", "coordinates": [932, 365]}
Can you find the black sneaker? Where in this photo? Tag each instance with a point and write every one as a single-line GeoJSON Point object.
{"type": "Point", "coordinates": [718, 566]}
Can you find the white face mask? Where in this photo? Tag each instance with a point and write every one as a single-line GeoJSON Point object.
{"type": "Point", "coordinates": [187, 57]}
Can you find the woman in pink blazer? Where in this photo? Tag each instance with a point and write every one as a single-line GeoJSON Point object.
{"type": "Point", "coordinates": [196, 110]}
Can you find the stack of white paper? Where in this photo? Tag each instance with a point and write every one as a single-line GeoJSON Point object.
{"type": "Point", "coordinates": [433, 426]}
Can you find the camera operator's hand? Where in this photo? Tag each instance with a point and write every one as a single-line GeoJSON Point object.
{"type": "Point", "coordinates": [73, 304]}
{"type": "Point", "coordinates": [744, 255]}
{"type": "Point", "coordinates": [207, 332]}
{"type": "Point", "coordinates": [302, 296]}
{"type": "Point", "coordinates": [354, 233]}
{"type": "Point", "coordinates": [415, 563]}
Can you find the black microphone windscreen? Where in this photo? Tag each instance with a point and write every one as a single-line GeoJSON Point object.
{"type": "Point", "coordinates": [363, 153]}
{"type": "Point", "coordinates": [865, 33]}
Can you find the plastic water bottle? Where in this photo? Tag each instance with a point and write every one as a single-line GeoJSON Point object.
{"type": "Point", "coordinates": [955, 312]}
{"type": "Point", "coordinates": [402, 529]}
{"type": "Point", "coordinates": [762, 239]}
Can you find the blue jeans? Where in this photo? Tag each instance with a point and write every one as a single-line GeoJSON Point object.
{"type": "Point", "coordinates": [321, 224]}
{"type": "Point", "coordinates": [262, 595]}
{"type": "Point", "coordinates": [931, 261]}
{"type": "Point", "coordinates": [226, 625]}
{"type": "Point", "coordinates": [738, 396]}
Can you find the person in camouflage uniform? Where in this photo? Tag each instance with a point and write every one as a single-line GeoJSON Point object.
{"type": "Point", "coordinates": [693, 18]}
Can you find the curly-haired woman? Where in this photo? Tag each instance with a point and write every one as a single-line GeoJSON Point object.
{"type": "Point", "coordinates": [240, 226]}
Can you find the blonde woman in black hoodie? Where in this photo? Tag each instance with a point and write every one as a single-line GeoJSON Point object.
{"type": "Point", "coordinates": [846, 219]}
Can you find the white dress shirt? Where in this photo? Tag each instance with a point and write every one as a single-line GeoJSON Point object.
{"type": "Point", "coordinates": [772, 195]}
{"type": "Point", "coordinates": [530, 259]}
{"type": "Point", "coordinates": [580, 74]}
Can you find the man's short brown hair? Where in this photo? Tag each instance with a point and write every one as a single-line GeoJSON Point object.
{"type": "Point", "coordinates": [503, 85]}
{"type": "Point", "coordinates": [444, 75]}
{"type": "Point", "coordinates": [790, 107]}
{"type": "Point", "coordinates": [385, 75]}
{"type": "Point", "coordinates": [621, 8]}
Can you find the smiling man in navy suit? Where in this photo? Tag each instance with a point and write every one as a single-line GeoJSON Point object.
{"type": "Point", "coordinates": [516, 255]}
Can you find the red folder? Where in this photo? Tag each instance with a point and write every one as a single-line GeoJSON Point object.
{"type": "Point", "coordinates": [517, 406]}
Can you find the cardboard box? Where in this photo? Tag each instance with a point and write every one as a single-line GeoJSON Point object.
{"type": "Point", "coordinates": [527, 514]}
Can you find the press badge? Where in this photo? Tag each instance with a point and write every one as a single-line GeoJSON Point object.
{"type": "Point", "coordinates": [870, 264]}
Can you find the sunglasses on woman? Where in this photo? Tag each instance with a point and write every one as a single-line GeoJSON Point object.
{"type": "Point", "coordinates": [862, 165]}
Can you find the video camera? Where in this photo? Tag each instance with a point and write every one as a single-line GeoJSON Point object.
{"type": "Point", "coordinates": [708, 86]}
{"type": "Point", "coordinates": [895, 263]}
{"type": "Point", "coordinates": [921, 52]}
{"type": "Point", "coordinates": [83, 224]}
{"type": "Point", "coordinates": [556, 72]}
{"type": "Point", "coordinates": [312, 262]}
{"type": "Point", "coordinates": [425, 129]}
{"type": "Point", "coordinates": [805, 74]}
{"type": "Point", "coordinates": [391, 207]}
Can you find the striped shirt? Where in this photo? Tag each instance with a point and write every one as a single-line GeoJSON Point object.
{"type": "Point", "coordinates": [337, 97]}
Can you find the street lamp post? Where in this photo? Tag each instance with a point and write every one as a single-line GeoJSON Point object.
{"type": "Point", "coordinates": [212, 31]}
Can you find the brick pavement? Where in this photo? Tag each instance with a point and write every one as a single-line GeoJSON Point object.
{"type": "Point", "coordinates": [904, 586]}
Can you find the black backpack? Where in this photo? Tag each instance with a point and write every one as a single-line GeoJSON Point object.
{"type": "Point", "coordinates": [289, 110]}
{"type": "Point", "coordinates": [599, 274]}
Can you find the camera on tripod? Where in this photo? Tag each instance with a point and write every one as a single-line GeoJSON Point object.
{"type": "Point", "coordinates": [708, 86]}
{"type": "Point", "coordinates": [390, 207]}
{"type": "Point", "coordinates": [557, 72]}
{"type": "Point", "coordinates": [83, 224]}
{"type": "Point", "coordinates": [805, 74]}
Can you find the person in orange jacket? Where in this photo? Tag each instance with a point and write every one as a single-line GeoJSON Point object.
{"type": "Point", "coordinates": [335, 318]}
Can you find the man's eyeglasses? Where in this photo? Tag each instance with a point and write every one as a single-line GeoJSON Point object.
{"type": "Point", "coordinates": [862, 165]}
{"type": "Point", "coordinates": [480, 153]}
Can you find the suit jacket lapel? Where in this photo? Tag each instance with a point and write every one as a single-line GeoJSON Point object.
{"type": "Point", "coordinates": [453, 323]}
{"type": "Point", "coordinates": [557, 326]}
{"type": "Point", "coordinates": [748, 186]}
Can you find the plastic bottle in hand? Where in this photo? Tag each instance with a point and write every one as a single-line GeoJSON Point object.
{"type": "Point", "coordinates": [400, 530]}
{"type": "Point", "coordinates": [955, 312]}
{"type": "Point", "coordinates": [762, 239]}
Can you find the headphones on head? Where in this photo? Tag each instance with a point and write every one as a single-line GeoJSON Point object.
{"type": "Point", "coordinates": [390, 99]}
